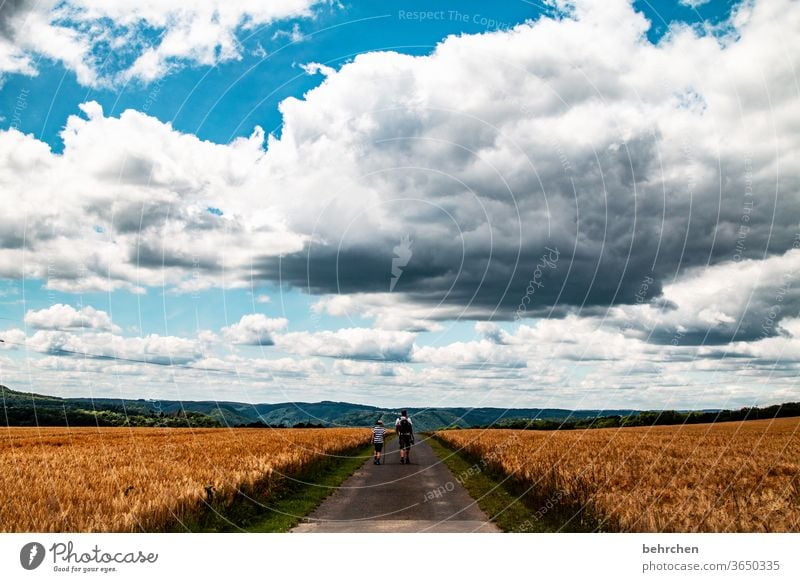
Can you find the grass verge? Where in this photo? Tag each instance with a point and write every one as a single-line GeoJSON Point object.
{"type": "Point", "coordinates": [504, 501]}
{"type": "Point", "coordinates": [287, 504]}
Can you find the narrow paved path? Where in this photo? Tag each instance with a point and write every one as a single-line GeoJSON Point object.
{"type": "Point", "coordinates": [400, 498]}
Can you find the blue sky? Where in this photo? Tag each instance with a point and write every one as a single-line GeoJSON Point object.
{"type": "Point", "coordinates": [262, 251]}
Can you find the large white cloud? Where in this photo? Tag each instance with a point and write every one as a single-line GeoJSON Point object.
{"type": "Point", "coordinates": [132, 203]}
{"type": "Point", "coordinates": [153, 36]}
{"type": "Point", "coordinates": [153, 348]}
{"type": "Point", "coordinates": [64, 317]}
{"type": "Point", "coordinates": [746, 299]}
{"type": "Point", "coordinates": [576, 133]}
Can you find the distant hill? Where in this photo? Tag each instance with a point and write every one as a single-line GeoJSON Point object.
{"type": "Point", "coordinates": [30, 409]}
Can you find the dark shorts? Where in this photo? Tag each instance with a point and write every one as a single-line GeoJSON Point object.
{"type": "Point", "coordinates": [405, 441]}
{"type": "Point", "coordinates": [378, 447]}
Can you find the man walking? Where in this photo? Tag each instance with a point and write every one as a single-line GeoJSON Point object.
{"type": "Point", "coordinates": [405, 434]}
{"type": "Point", "coordinates": [378, 433]}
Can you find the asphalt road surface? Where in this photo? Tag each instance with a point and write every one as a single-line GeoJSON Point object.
{"type": "Point", "coordinates": [399, 498]}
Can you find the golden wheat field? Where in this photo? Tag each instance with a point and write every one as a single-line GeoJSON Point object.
{"type": "Point", "coordinates": [724, 477]}
{"type": "Point", "coordinates": [143, 479]}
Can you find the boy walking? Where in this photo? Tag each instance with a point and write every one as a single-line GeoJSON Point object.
{"type": "Point", "coordinates": [378, 433]}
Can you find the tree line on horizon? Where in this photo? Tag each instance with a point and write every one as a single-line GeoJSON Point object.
{"type": "Point", "coordinates": [31, 409]}
{"type": "Point", "coordinates": [653, 418]}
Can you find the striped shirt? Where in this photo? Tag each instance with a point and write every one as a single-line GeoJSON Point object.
{"type": "Point", "coordinates": [377, 434]}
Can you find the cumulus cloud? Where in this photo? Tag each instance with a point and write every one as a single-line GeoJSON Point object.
{"type": "Point", "coordinates": [582, 141]}
{"type": "Point", "coordinates": [542, 347]}
{"type": "Point", "coordinates": [261, 367]}
{"type": "Point", "coordinates": [13, 58]}
{"type": "Point", "coordinates": [574, 134]}
{"type": "Point", "coordinates": [478, 354]}
{"type": "Point", "coordinates": [734, 301]}
{"type": "Point", "coordinates": [390, 311]}
{"type": "Point", "coordinates": [639, 200]}
{"type": "Point", "coordinates": [132, 203]}
{"type": "Point", "coordinates": [150, 349]}
{"type": "Point", "coordinates": [143, 39]}
{"type": "Point", "coordinates": [30, 29]}
{"type": "Point", "coordinates": [574, 361]}
{"type": "Point", "coordinates": [64, 317]}
{"type": "Point", "coordinates": [353, 343]}
{"type": "Point", "coordinates": [255, 329]}
{"type": "Point", "coordinates": [378, 369]}
{"type": "Point", "coordinates": [12, 339]}
{"type": "Point", "coordinates": [492, 332]}
{"type": "Point", "coordinates": [285, 367]}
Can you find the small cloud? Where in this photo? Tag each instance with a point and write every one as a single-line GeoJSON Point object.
{"type": "Point", "coordinates": [207, 337]}
{"type": "Point", "coordinates": [351, 343]}
{"type": "Point", "coordinates": [148, 39]}
{"type": "Point", "coordinates": [262, 298]}
{"type": "Point", "coordinates": [492, 332]}
{"type": "Point", "coordinates": [92, 109]}
{"type": "Point", "coordinates": [359, 368]}
{"type": "Point", "coordinates": [259, 51]}
{"type": "Point", "coordinates": [318, 68]}
{"type": "Point", "coordinates": [12, 339]}
{"type": "Point", "coordinates": [254, 329]}
{"type": "Point", "coordinates": [294, 35]}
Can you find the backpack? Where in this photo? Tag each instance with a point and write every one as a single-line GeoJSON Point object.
{"type": "Point", "coordinates": [405, 426]}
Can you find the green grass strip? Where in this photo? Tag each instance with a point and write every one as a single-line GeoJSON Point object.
{"type": "Point", "coordinates": [289, 503]}
{"type": "Point", "coordinates": [494, 497]}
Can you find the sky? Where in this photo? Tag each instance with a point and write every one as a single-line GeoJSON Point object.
{"type": "Point", "coordinates": [573, 204]}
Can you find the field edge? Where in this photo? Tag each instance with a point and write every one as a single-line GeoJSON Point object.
{"type": "Point", "coordinates": [509, 504]}
{"type": "Point", "coordinates": [287, 504]}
